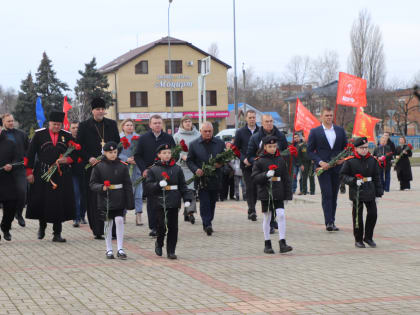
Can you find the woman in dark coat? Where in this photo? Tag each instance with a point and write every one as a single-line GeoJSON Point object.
{"type": "Point", "coordinates": [383, 154]}
{"type": "Point", "coordinates": [402, 165]}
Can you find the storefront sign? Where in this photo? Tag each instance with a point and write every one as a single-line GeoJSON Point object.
{"type": "Point", "coordinates": [166, 81]}
{"type": "Point", "coordinates": [146, 116]}
{"type": "Point", "coordinates": [214, 114]}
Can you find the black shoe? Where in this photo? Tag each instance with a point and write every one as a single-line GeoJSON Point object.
{"type": "Point", "coordinates": [83, 221]}
{"type": "Point", "coordinates": [158, 249]}
{"type": "Point", "coordinates": [371, 243]}
{"type": "Point", "coordinates": [284, 248]}
{"type": "Point", "coordinates": [114, 237]}
{"type": "Point", "coordinates": [21, 221]}
{"type": "Point", "coordinates": [99, 237]}
{"type": "Point", "coordinates": [57, 238]}
{"type": "Point", "coordinates": [153, 233]}
{"type": "Point", "coordinates": [272, 230]}
{"type": "Point", "coordinates": [342, 189]}
{"type": "Point", "coordinates": [209, 230]}
{"type": "Point", "coordinates": [121, 254]}
{"type": "Point", "coordinates": [192, 219]}
{"type": "Point", "coordinates": [312, 193]}
{"type": "Point", "coordinates": [329, 227]}
{"type": "Point", "coordinates": [7, 236]}
{"type": "Point", "coordinates": [359, 245]}
{"type": "Point", "coordinates": [109, 254]}
{"type": "Point", "coordinates": [172, 256]}
{"type": "Point", "coordinates": [275, 225]}
{"type": "Point", "coordinates": [267, 247]}
{"type": "Point", "coordinates": [335, 229]}
{"type": "Point", "coordinates": [41, 233]}
{"type": "Point", "coordinates": [253, 216]}
{"type": "Point", "coordinates": [76, 224]}
{"type": "Point", "coordinates": [186, 218]}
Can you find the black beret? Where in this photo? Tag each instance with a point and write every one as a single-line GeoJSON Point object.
{"type": "Point", "coordinates": [57, 117]}
{"type": "Point", "coordinates": [97, 102]}
{"type": "Point", "coordinates": [110, 146]}
{"type": "Point", "coordinates": [360, 141]}
{"type": "Point", "coordinates": [162, 147]}
{"type": "Point", "coordinates": [269, 140]}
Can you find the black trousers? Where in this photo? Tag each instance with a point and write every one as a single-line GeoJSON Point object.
{"type": "Point", "coordinates": [9, 210]}
{"type": "Point", "coordinates": [57, 226]}
{"type": "Point", "coordinates": [250, 188]}
{"type": "Point", "coordinates": [151, 214]}
{"type": "Point", "coordinates": [371, 217]}
{"type": "Point", "coordinates": [227, 188]}
{"type": "Point", "coordinates": [96, 223]}
{"type": "Point", "coordinates": [21, 184]}
{"type": "Point", "coordinates": [171, 227]}
{"type": "Point", "coordinates": [404, 184]}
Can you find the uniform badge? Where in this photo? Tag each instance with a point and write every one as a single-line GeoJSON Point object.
{"type": "Point", "coordinates": [62, 139]}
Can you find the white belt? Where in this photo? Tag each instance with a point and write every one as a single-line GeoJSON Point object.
{"type": "Point", "coordinates": [119, 186]}
{"type": "Point", "coordinates": [367, 179]}
{"type": "Point", "coordinates": [173, 187]}
{"type": "Point", "coordinates": [275, 179]}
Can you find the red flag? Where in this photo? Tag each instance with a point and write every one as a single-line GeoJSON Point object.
{"type": "Point", "coordinates": [304, 120]}
{"type": "Point", "coordinates": [66, 108]}
{"type": "Point", "coordinates": [351, 90]}
{"type": "Point", "coordinates": [364, 125]}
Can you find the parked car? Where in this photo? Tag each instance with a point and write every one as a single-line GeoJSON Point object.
{"type": "Point", "coordinates": [227, 135]}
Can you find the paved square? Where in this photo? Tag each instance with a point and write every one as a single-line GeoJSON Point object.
{"type": "Point", "coordinates": [227, 273]}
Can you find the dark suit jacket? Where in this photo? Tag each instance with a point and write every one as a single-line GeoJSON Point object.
{"type": "Point", "coordinates": [318, 147]}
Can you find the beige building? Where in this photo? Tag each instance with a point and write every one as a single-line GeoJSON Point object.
{"type": "Point", "coordinates": [140, 83]}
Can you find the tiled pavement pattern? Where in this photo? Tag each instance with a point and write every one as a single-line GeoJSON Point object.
{"type": "Point", "coordinates": [226, 273]}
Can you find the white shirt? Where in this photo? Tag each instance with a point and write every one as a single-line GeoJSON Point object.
{"type": "Point", "coordinates": [252, 130]}
{"type": "Point", "coordinates": [330, 134]}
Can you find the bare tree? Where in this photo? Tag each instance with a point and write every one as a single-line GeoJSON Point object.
{"type": "Point", "coordinates": [367, 59]}
{"type": "Point", "coordinates": [405, 107]}
{"type": "Point", "coordinates": [214, 50]}
{"type": "Point", "coordinates": [8, 100]}
{"type": "Point", "coordinates": [298, 69]}
{"type": "Point", "coordinates": [324, 69]}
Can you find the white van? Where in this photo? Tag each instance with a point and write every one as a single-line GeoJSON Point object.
{"type": "Point", "coordinates": [227, 134]}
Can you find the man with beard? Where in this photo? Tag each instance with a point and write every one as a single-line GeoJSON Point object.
{"type": "Point", "coordinates": [92, 136]}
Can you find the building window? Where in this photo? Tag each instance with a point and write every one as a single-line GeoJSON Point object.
{"type": "Point", "coordinates": [177, 98]}
{"type": "Point", "coordinates": [138, 99]}
{"type": "Point", "coordinates": [199, 65]}
{"type": "Point", "coordinates": [142, 67]}
{"type": "Point", "coordinates": [211, 98]}
{"type": "Point", "coordinates": [176, 66]}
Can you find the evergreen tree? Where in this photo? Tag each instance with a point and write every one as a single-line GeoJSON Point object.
{"type": "Point", "coordinates": [49, 87]}
{"type": "Point", "coordinates": [24, 111]}
{"type": "Point", "coordinates": [91, 84]}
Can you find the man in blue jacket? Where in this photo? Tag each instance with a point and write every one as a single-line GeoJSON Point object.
{"type": "Point", "coordinates": [324, 143]}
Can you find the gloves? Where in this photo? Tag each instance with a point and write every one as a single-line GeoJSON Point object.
{"type": "Point", "coordinates": [187, 204]}
{"type": "Point", "coordinates": [163, 183]}
{"type": "Point", "coordinates": [359, 182]}
{"type": "Point", "coordinates": [270, 173]}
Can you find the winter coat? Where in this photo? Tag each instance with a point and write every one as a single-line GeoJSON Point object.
{"type": "Point", "coordinates": [254, 144]}
{"type": "Point", "coordinates": [242, 137]}
{"type": "Point", "coordinates": [384, 150]}
{"type": "Point", "coordinates": [176, 177]}
{"type": "Point", "coordinates": [21, 141]}
{"type": "Point", "coordinates": [8, 155]}
{"type": "Point", "coordinates": [188, 137]}
{"type": "Point", "coordinates": [366, 166]}
{"type": "Point", "coordinates": [117, 173]}
{"type": "Point", "coordinates": [129, 152]}
{"type": "Point", "coordinates": [403, 167]}
{"type": "Point", "coordinates": [282, 190]}
{"type": "Point", "coordinates": [200, 152]}
{"type": "Point", "coordinates": [146, 148]}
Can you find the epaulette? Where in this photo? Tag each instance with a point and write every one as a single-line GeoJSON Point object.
{"type": "Point", "coordinates": [66, 131]}
{"type": "Point", "coordinates": [349, 157]}
{"type": "Point", "coordinates": [123, 162]}
{"type": "Point", "coordinates": [40, 129]}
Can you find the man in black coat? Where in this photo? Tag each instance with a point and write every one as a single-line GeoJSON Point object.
{"type": "Point", "coordinates": [8, 196]}
{"type": "Point", "coordinates": [21, 141]}
{"type": "Point", "coordinates": [145, 157]}
{"type": "Point", "coordinates": [199, 152]}
{"type": "Point", "coordinates": [92, 136]}
{"type": "Point", "coordinates": [242, 137]}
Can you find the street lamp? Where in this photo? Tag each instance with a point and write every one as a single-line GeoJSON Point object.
{"type": "Point", "coordinates": [170, 73]}
{"type": "Point", "coordinates": [235, 78]}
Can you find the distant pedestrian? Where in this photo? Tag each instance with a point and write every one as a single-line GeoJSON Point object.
{"type": "Point", "coordinates": [403, 167]}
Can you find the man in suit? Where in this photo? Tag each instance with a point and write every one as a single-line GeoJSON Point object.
{"type": "Point", "coordinates": [324, 143]}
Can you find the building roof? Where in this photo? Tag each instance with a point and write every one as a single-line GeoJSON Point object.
{"type": "Point", "coordinates": [123, 59]}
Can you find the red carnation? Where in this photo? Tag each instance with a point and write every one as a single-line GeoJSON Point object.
{"type": "Point", "coordinates": [410, 146]}
{"type": "Point", "coordinates": [273, 167]}
{"type": "Point", "coordinates": [75, 145]}
{"type": "Point", "coordinates": [165, 175]}
{"type": "Point", "coordinates": [79, 160]}
{"type": "Point", "coordinates": [183, 145]}
{"type": "Point", "coordinates": [107, 183]}
{"type": "Point", "coordinates": [135, 138]}
{"type": "Point", "coordinates": [359, 176]}
{"type": "Point", "coordinates": [172, 162]}
{"type": "Point", "coordinates": [25, 161]}
{"type": "Point", "coordinates": [125, 142]}
{"type": "Point", "coordinates": [235, 150]}
{"type": "Point", "coordinates": [293, 151]}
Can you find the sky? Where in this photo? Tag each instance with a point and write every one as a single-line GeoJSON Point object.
{"type": "Point", "coordinates": [268, 32]}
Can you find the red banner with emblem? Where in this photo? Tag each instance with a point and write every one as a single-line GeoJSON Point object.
{"type": "Point", "coordinates": [351, 90]}
{"type": "Point", "coordinates": [304, 120]}
{"type": "Point", "coordinates": [364, 125]}
{"type": "Point", "coordinates": [66, 108]}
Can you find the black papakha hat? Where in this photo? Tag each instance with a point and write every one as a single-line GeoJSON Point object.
{"type": "Point", "coordinates": [110, 146]}
{"type": "Point", "coordinates": [162, 147]}
{"type": "Point", "coordinates": [269, 140]}
{"type": "Point", "coordinates": [57, 117]}
{"type": "Point", "coordinates": [360, 141]}
{"type": "Point", "coordinates": [97, 102]}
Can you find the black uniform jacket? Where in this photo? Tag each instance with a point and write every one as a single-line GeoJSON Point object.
{"type": "Point", "coordinates": [242, 137]}
{"type": "Point", "coordinates": [282, 190]}
{"type": "Point", "coordinates": [366, 166]}
{"type": "Point", "coordinates": [176, 178]}
{"type": "Point", "coordinates": [8, 155]}
{"type": "Point", "coordinates": [118, 174]}
{"type": "Point", "coordinates": [403, 167]}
